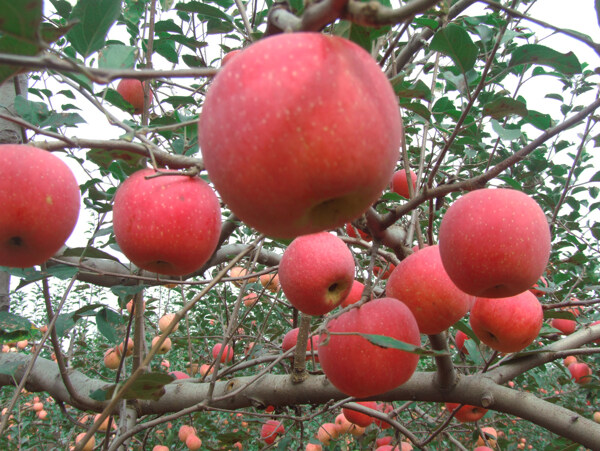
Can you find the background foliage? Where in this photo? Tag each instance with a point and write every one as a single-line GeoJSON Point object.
{"type": "Point", "coordinates": [469, 76]}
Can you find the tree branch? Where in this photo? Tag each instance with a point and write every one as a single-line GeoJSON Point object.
{"type": "Point", "coordinates": [279, 390]}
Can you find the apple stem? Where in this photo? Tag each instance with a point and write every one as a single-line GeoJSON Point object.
{"type": "Point", "coordinates": [299, 373]}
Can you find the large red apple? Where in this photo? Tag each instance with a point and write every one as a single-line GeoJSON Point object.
{"type": "Point", "coordinates": [169, 224]}
{"type": "Point", "coordinates": [356, 366]}
{"type": "Point", "coordinates": [421, 282]}
{"type": "Point", "coordinates": [400, 182]}
{"type": "Point", "coordinates": [467, 413]}
{"type": "Point", "coordinates": [494, 242]}
{"type": "Point", "coordinates": [132, 91]}
{"type": "Point", "coordinates": [507, 324]}
{"type": "Point", "coordinates": [40, 205]}
{"type": "Point", "coordinates": [300, 133]}
{"type": "Point", "coordinates": [316, 272]}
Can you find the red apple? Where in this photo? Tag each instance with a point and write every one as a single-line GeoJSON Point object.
{"type": "Point", "coordinates": [193, 442]}
{"type": "Point", "coordinates": [270, 282]}
{"type": "Point", "coordinates": [164, 347]}
{"type": "Point", "coordinates": [383, 275]}
{"type": "Point", "coordinates": [360, 368]}
{"type": "Point", "coordinates": [290, 339]}
{"type": "Point", "coordinates": [460, 339]}
{"type": "Point", "coordinates": [359, 418]}
{"type": "Point", "coordinates": [316, 272]}
{"type": "Point", "coordinates": [289, 151]}
{"type": "Point", "coordinates": [491, 436]}
{"type": "Point", "coordinates": [229, 56]}
{"type": "Point", "coordinates": [327, 432]}
{"type": "Point", "coordinates": [165, 321]}
{"type": "Point", "coordinates": [354, 295]}
{"type": "Point", "coordinates": [421, 282]}
{"type": "Point", "coordinates": [132, 91]}
{"type": "Point", "coordinates": [185, 431]}
{"type": "Point", "coordinates": [250, 299]}
{"type": "Point", "coordinates": [541, 283]}
{"type": "Point", "coordinates": [400, 182]}
{"type": "Point", "coordinates": [385, 408]}
{"type": "Point", "coordinates": [494, 242]}
{"type": "Point", "coordinates": [179, 375]}
{"type": "Point", "coordinates": [507, 324]}
{"type": "Point", "coordinates": [352, 232]}
{"type": "Point", "coordinates": [466, 413]}
{"type": "Point", "coordinates": [270, 430]}
{"type": "Point", "coordinates": [386, 440]}
{"type": "Point", "coordinates": [227, 355]}
{"type": "Point", "coordinates": [570, 359]}
{"type": "Point", "coordinates": [111, 359]}
{"type": "Point", "coordinates": [566, 326]}
{"type": "Point", "coordinates": [40, 205]}
{"type": "Point", "coordinates": [169, 224]}
{"type": "Point", "coordinates": [580, 372]}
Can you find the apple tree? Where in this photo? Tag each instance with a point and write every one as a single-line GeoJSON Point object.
{"type": "Point", "coordinates": [306, 225]}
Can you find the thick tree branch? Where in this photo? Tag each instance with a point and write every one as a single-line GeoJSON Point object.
{"type": "Point", "coordinates": [279, 390]}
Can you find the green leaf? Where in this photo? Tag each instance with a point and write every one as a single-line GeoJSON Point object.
{"type": "Point", "coordinates": [406, 90]}
{"type": "Point", "coordinates": [504, 106]}
{"type": "Point", "coordinates": [124, 292]}
{"type": "Point", "coordinates": [21, 19]}
{"type": "Point", "coordinates": [454, 41]}
{"type": "Point", "coordinates": [117, 56]}
{"type": "Point", "coordinates": [57, 120]}
{"type": "Point", "coordinates": [203, 10]}
{"type": "Point", "coordinates": [63, 8]}
{"type": "Point", "coordinates": [64, 323]}
{"type": "Point", "coordinates": [417, 108]}
{"type": "Point", "coordinates": [507, 134]}
{"type": "Point", "coordinates": [561, 444]}
{"type": "Point", "coordinates": [562, 314]}
{"type": "Point", "coordinates": [392, 343]}
{"type": "Point", "coordinates": [33, 112]}
{"type": "Point", "coordinates": [95, 18]}
{"type": "Point", "coordinates": [63, 272]}
{"type": "Point", "coordinates": [166, 49]}
{"type": "Point", "coordinates": [109, 324]}
{"type": "Point", "coordinates": [566, 64]}
{"type": "Point", "coordinates": [10, 368]}
{"type": "Point", "coordinates": [178, 101]}
{"type": "Point", "coordinates": [539, 120]}
{"type": "Point", "coordinates": [149, 386]}
{"type": "Point", "coordinates": [515, 184]}
{"type": "Point", "coordinates": [27, 274]}
{"type": "Point", "coordinates": [14, 327]}
{"type": "Point", "coordinates": [88, 252]}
